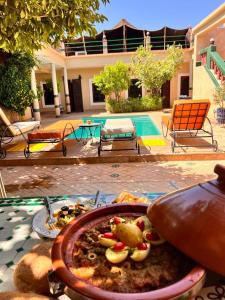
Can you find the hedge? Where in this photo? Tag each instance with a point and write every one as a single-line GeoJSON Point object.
{"type": "Point", "coordinates": [145, 103]}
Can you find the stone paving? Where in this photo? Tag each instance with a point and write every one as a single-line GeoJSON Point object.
{"type": "Point", "coordinates": [108, 178]}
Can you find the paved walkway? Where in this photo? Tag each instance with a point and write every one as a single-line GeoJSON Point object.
{"type": "Point", "coordinates": [108, 178]}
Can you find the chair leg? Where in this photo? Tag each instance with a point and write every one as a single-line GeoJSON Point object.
{"type": "Point", "coordinates": [99, 147]}
{"type": "Point", "coordinates": [27, 151]}
{"type": "Point", "coordinates": [2, 151]}
{"type": "Point", "coordinates": [163, 129]}
{"type": "Point", "coordinates": [139, 149]}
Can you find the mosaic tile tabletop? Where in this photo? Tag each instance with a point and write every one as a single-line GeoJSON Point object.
{"type": "Point", "coordinates": [17, 237]}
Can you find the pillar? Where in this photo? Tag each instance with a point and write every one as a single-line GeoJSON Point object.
{"type": "Point", "coordinates": [104, 44]}
{"type": "Point", "coordinates": [36, 108]}
{"type": "Point", "coordinates": [147, 42]}
{"type": "Point", "coordinates": [66, 87]}
{"type": "Point", "coordinates": [55, 91]}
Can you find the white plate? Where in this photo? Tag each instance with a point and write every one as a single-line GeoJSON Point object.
{"type": "Point", "coordinates": [39, 220]}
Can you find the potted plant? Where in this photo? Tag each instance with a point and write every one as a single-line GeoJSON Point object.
{"type": "Point", "coordinates": [219, 99]}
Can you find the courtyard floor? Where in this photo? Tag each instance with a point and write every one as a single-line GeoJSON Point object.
{"type": "Point", "coordinates": [49, 174]}
{"type": "Point", "coordinates": [113, 178]}
{"type": "Point", "coordinates": [79, 152]}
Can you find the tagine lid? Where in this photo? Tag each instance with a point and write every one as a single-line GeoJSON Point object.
{"type": "Point", "coordinates": [193, 220]}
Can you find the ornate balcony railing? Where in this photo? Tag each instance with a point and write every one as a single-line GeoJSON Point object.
{"type": "Point", "coordinates": [214, 64]}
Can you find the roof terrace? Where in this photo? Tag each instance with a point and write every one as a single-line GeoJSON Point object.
{"type": "Point", "coordinates": [124, 37]}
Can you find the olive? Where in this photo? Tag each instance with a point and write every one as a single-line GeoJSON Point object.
{"type": "Point", "coordinates": [65, 208]}
{"type": "Point", "coordinates": [70, 211]}
{"type": "Point", "coordinates": [81, 205]}
{"type": "Point", "coordinates": [77, 213]}
{"type": "Point", "coordinates": [62, 216]}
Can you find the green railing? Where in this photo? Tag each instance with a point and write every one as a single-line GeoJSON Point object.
{"type": "Point", "coordinates": [213, 61]}
{"type": "Point", "coordinates": [124, 45]}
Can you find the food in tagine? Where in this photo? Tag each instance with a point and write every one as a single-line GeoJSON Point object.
{"type": "Point", "coordinates": [127, 255]}
{"type": "Point", "coordinates": [66, 214]}
{"type": "Point", "coordinates": [126, 197]}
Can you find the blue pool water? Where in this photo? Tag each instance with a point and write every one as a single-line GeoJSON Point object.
{"type": "Point", "coordinates": [144, 125]}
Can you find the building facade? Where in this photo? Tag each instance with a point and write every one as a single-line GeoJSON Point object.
{"type": "Point", "coordinates": [65, 75]}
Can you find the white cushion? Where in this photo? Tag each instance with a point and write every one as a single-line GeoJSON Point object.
{"type": "Point", "coordinates": [26, 126]}
{"type": "Point", "coordinates": [118, 126]}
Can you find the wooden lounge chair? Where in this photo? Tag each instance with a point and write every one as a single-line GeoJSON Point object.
{"type": "Point", "coordinates": [9, 131]}
{"type": "Point", "coordinates": [187, 120]}
{"type": "Point", "coordinates": [118, 130]}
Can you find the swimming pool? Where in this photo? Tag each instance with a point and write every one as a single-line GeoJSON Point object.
{"type": "Point", "coordinates": [144, 125]}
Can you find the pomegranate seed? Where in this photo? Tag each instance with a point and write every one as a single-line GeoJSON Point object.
{"type": "Point", "coordinates": [142, 246]}
{"type": "Point", "coordinates": [117, 220]}
{"type": "Point", "coordinates": [141, 225]}
{"type": "Point", "coordinates": [109, 235]}
{"type": "Point", "coordinates": [152, 236]}
{"type": "Point", "coordinates": [119, 246]}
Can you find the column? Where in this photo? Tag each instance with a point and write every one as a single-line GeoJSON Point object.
{"type": "Point", "coordinates": [147, 43]}
{"type": "Point", "coordinates": [104, 44]}
{"type": "Point", "coordinates": [191, 77]}
{"type": "Point", "coordinates": [36, 108]}
{"type": "Point", "coordinates": [55, 91]}
{"type": "Point", "coordinates": [67, 95]}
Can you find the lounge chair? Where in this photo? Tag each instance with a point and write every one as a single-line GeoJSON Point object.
{"type": "Point", "coordinates": [187, 120]}
{"type": "Point", "coordinates": [53, 134]}
{"type": "Point", "coordinates": [118, 130]}
{"type": "Point", "coordinates": [9, 131]}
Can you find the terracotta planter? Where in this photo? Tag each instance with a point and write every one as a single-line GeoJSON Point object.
{"type": "Point", "coordinates": [62, 252]}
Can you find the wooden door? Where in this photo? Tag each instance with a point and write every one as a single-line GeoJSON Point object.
{"type": "Point", "coordinates": [165, 93]}
{"type": "Point", "coordinates": [184, 85]}
{"type": "Point", "coordinates": [76, 99]}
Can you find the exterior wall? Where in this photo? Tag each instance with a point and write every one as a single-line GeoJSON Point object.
{"type": "Point", "coordinates": [87, 73]}
{"type": "Point", "coordinates": [86, 76]}
{"type": "Point", "coordinates": [15, 117]}
{"type": "Point", "coordinates": [203, 86]}
{"type": "Point", "coordinates": [175, 82]}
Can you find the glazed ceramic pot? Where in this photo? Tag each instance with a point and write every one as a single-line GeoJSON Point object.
{"type": "Point", "coordinates": [62, 256]}
{"type": "Point", "coordinates": [193, 220]}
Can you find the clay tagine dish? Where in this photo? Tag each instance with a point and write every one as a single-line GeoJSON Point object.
{"type": "Point", "coordinates": [193, 220]}
{"type": "Point", "coordinates": [91, 255]}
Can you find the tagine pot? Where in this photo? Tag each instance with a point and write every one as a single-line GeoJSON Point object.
{"type": "Point", "coordinates": [62, 256]}
{"type": "Point", "coordinates": [193, 220]}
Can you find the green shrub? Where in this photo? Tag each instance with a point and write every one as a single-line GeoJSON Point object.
{"type": "Point", "coordinates": [145, 103]}
{"type": "Point", "coordinates": [15, 84]}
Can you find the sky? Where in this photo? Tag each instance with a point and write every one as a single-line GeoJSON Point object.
{"type": "Point", "coordinates": [155, 14]}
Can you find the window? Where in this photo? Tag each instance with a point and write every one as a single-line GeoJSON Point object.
{"type": "Point", "coordinates": [134, 91]}
{"type": "Point", "coordinates": [95, 95]}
